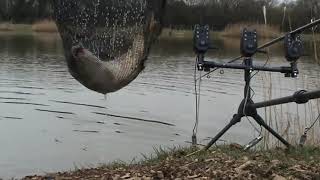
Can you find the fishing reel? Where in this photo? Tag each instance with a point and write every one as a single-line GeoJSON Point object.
{"type": "Point", "coordinates": [293, 48]}
{"type": "Point", "coordinates": [249, 42]}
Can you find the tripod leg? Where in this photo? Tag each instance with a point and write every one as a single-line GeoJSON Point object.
{"type": "Point", "coordinates": [261, 122]}
{"type": "Point", "coordinates": [236, 118]}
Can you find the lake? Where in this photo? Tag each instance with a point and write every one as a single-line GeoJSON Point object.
{"type": "Point", "coordinates": [49, 122]}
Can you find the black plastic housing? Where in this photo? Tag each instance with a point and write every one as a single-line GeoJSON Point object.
{"type": "Point", "coordinates": [201, 39]}
{"type": "Point", "coordinates": [293, 47]}
{"type": "Point", "coordinates": [249, 42]}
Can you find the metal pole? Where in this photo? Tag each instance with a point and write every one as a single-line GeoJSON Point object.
{"type": "Point", "coordinates": [236, 118]}
{"type": "Point", "coordinates": [247, 78]}
{"type": "Point", "coordinates": [297, 31]}
{"type": "Point", "coordinates": [261, 122]}
{"type": "Point", "coordinates": [299, 98]}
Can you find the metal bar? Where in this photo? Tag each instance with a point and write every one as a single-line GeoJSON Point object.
{"type": "Point", "coordinates": [312, 95]}
{"type": "Point", "coordinates": [247, 78]}
{"type": "Point", "coordinates": [262, 123]}
{"type": "Point", "coordinates": [285, 69]}
{"type": "Point", "coordinates": [211, 64]}
{"type": "Point", "coordinates": [226, 66]}
{"type": "Point", "coordinates": [289, 99]}
{"type": "Point", "coordinates": [236, 118]}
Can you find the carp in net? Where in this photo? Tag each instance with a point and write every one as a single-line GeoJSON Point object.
{"type": "Point", "coordinates": [106, 42]}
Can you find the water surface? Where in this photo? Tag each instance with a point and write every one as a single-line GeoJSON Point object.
{"type": "Point", "coordinates": [49, 122]}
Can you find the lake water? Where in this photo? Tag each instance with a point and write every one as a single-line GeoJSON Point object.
{"type": "Point", "coordinates": [49, 122]}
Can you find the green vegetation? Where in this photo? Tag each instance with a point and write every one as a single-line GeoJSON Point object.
{"type": "Point", "coordinates": [24, 11]}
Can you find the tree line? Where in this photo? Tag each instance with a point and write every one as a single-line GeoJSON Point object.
{"type": "Point", "coordinates": [219, 13]}
{"type": "Point", "coordinates": [186, 13]}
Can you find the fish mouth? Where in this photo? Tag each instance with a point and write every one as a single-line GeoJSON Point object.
{"type": "Point", "coordinates": [77, 51]}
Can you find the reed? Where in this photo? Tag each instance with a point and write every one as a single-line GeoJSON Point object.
{"type": "Point", "coordinates": [315, 49]}
{"type": "Point", "coordinates": [290, 120]}
{"type": "Point", "coordinates": [45, 26]}
{"type": "Point", "coordinates": [264, 31]}
{"type": "Point", "coordinates": [183, 34]}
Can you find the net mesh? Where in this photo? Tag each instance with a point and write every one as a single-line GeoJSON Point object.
{"type": "Point", "coordinates": [107, 41]}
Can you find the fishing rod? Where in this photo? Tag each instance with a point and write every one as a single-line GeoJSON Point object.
{"type": "Point", "coordinates": [274, 41]}
{"type": "Point", "coordinates": [293, 47]}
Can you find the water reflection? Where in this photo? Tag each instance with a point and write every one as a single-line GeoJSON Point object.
{"type": "Point", "coordinates": [58, 123]}
{"type": "Point", "coordinates": [29, 44]}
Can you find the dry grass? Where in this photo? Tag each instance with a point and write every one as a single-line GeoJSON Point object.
{"type": "Point", "coordinates": [228, 162]}
{"type": "Point", "coordinates": [264, 31]}
{"type": "Point", "coordinates": [170, 33]}
{"type": "Point", "coordinates": [45, 26]}
{"type": "Point", "coordinates": [6, 26]}
{"type": "Point", "coordinates": [185, 34]}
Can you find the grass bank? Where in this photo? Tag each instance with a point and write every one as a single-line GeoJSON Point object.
{"type": "Point", "coordinates": [228, 162]}
{"type": "Point", "coordinates": [5, 26]}
{"type": "Point", "coordinates": [41, 26]}
{"type": "Point", "coordinates": [45, 26]}
{"type": "Point", "coordinates": [15, 28]}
